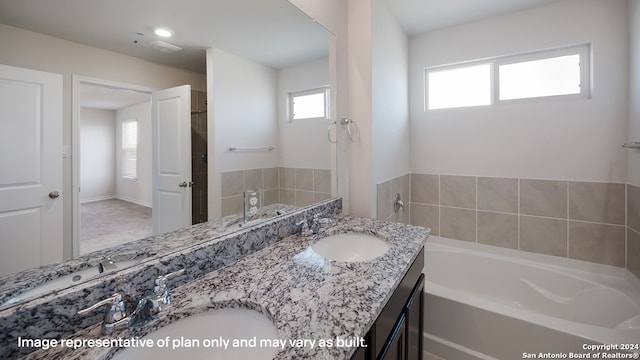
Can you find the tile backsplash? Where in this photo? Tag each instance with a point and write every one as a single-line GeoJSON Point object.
{"type": "Point", "coordinates": [280, 185]}
{"type": "Point", "coordinates": [591, 221]}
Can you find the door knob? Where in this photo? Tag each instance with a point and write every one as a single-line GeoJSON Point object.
{"type": "Point", "coordinates": [183, 184]}
{"type": "Point", "coordinates": [54, 194]}
{"type": "Point", "coordinates": [190, 183]}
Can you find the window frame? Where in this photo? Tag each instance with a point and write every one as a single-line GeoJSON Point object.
{"type": "Point", "coordinates": [324, 90]}
{"type": "Point", "coordinates": [582, 50]}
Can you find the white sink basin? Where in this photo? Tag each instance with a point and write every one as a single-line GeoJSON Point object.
{"type": "Point", "coordinates": [210, 329]}
{"type": "Point", "coordinates": [351, 247]}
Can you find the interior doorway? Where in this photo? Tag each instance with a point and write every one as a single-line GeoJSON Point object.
{"type": "Point", "coordinates": [114, 171]}
{"type": "Point", "coordinates": [119, 215]}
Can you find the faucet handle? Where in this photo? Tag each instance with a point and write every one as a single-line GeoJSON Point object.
{"type": "Point", "coordinates": [114, 316]}
{"type": "Point", "coordinates": [115, 301]}
{"type": "Point", "coordinates": [161, 298]}
{"type": "Point", "coordinates": [106, 265]}
{"type": "Point", "coordinates": [303, 227]}
{"type": "Point", "coordinates": [161, 281]}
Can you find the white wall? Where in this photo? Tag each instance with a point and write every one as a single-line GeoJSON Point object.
{"type": "Point", "coordinates": [242, 113]}
{"type": "Point", "coordinates": [359, 155]}
{"type": "Point", "coordinates": [31, 50]}
{"type": "Point", "coordinates": [333, 15]}
{"type": "Point", "coordinates": [97, 146]}
{"type": "Point", "coordinates": [575, 139]}
{"type": "Point", "coordinates": [390, 98]}
{"type": "Point", "coordinates": [302, 143]}
{"type": "Point", "coordinates": [137, 191]}
{"type": "Point", "coordinates": [634, 92]}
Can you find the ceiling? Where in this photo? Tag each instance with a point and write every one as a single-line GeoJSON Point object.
{"type": "Point", "coordinates": [270, 32]}
{"type": "Point", "coordinates": [420, 16]}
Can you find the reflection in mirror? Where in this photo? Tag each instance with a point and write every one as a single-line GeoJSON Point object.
{"type": "Point", "coordinates": [258, 144]}
{"type": "Point", "coordinates": [249, 108]}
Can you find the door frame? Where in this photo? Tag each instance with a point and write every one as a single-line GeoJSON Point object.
{"type": "Point", "coordinates": [78, 80]}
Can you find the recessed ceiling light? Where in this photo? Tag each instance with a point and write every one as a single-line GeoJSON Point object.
{"type": "Point", "coordinates": [163, 32]}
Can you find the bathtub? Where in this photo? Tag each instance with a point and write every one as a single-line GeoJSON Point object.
{"type": "Point", "coordinates": [484, 302]}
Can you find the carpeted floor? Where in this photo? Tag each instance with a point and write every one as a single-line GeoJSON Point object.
{"type": "Point", "coordinates": [111, 222]}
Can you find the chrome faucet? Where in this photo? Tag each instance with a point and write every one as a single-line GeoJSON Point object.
{"type": "Point", "coordinates": [318, 222]}
{"type": "Point", "coordinates": [107, 265]}
{"type": "Point", "coordinates": [115, 316]}
{"type": "Point", "coordinates": [154, 303]}
{"type": "Point", "coordinates": [302, 227]}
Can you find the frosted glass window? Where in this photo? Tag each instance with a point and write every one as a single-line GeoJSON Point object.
{"type": "Point", "coordinates": [129, 151]}
{"type": "Point", "coordinates": [310, 104]}
{"type": "Point", "coordinates": [459, 87]}
{"type": "Point", "coordinates": [537, 78]}
{"type": "Point", "coordinates": [546, 73]}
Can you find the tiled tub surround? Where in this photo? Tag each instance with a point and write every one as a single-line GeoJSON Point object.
{"type": "Point", "coordinates": [199, 249]}
{"type": "Point", "coordinates": [633, 229]}
{"type": "Point", "coordinates": [305, 295]}
{"type": "Point", "coordinates": [283, 185]}
{"type": "Point", "coordinates": [590, 221]}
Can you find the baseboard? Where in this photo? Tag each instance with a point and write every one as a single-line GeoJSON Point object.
{"type": "Point", "coordinates": [97, 198]}
{"type": "Point", "coordinates": [132, 200]}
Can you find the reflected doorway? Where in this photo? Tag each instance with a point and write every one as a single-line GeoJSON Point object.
{"type": "Point", "coordinates": [114, 166]}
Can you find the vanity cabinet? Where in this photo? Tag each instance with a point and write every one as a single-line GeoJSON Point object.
{"type": "Point", "coordinates": [397, 332]}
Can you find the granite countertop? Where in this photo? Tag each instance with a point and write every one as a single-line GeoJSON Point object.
{"type": "Point", "coordinates": [306, 296]}
{"type": "Point", "coordinates": [138, 251]}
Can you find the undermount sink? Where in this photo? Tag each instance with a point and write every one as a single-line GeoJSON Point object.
{"type": "Point", "coordinates": [202, 336]}
{"type": "Point", "coordinates": [352, 246]}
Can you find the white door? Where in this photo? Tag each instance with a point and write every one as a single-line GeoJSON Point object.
{"type": "Point", "coordinates": [171, 126]}
{"type": "Point", "coordinates": [30, 169]}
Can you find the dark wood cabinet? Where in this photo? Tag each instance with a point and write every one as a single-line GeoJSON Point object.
{"type": "Point", "coordinates": [415, 321]}
{"type": "Point", "coordinates": [396, 346]}
{"type": "Point", "coordinates": [397, 332]}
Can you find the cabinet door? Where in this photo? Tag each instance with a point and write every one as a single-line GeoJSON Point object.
{"type": "Point", "coordinates": [415, 323]}
{"type": "Point", "coordinates": [360, 354]}
{"type": "Point", "coordinates": [395, 348]}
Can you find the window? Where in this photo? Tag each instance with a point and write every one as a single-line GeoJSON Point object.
{"type": "Point", "coordinates": [310, 104]}
{"type": "Point", "coordinates": [460, 87]}
{"type": "Point", "coordinates": [536, 78]}
{"type": "Point", "coordinates": [129, 152]}
{"type": "Point", "coordinates": [551, 73]}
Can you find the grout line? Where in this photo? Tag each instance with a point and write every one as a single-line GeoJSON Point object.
{"type": "Point", "coordinates": [519, 214]}
{"type": "Point", "coordinates": [626, 224]}
{"type": "Point", "coordinates": [439, 205]}
{"type": "Point", "coordinates": [476, 209]}
{"type": "Point", "coordinates": [568, 221]}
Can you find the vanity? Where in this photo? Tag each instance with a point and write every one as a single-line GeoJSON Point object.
{"type": "Point", "coordinates": [323, 308]}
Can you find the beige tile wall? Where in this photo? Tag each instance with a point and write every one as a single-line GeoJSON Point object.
{"type": "Point", "coordinates": [633, 229]}
{"type": "Point", "coordinates": [290, 186]}
{"type": "Point", "coordinates": [590, 221]}
{"type": "Point", "coordinates": [387, 192]}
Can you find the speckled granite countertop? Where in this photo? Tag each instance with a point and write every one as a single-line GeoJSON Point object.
{"type": "Point", "coordinates": [138, 250]}
{"type": "Point", "coordinates": [306, 296]}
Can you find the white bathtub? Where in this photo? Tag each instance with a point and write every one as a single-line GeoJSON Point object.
{"type": "Point", "coordinates": [484, 302]}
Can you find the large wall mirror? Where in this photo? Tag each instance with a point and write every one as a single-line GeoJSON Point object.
{"type": "Point", "coordinates": [260, 128]}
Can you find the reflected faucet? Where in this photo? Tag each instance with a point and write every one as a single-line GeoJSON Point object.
{"type": "Point", "coordinates": [107, 265]}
